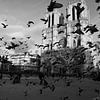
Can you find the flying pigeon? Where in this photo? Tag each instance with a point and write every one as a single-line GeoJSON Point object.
{"type": "Point", "coordinates": [78, 25]}
{"type": "Point", "coordinates": [45, 20]}
{"type": "Point", "coordinates": [99, 36]}
{"type": "Point", "coordinates": [53, 5]}
{"type": "Point", "coordinates": [79, 10]}
{"type": "Point", "coordinates": [20, 42]}
{"type": "Point", "coordinates": [90, 44]}
{"type": "Point", "coordinates": [25, 93]}
{"type": "Point", "coordinates": [78, 31]}
{"type": "Point", "coordinates": [12, 46]}
{"type": "Point", "coordinates": [13, 38]}
{"type": "Point", "coordinates": [1, 38]}
{"type": "Point", "coordinates": [46, 46]}
{"type": "Point", "coordinates": [29, 23]}
{"type": "Point", "coordinates": [4, 25]}
{"type": "Point", "coordinates": [97, 91]}
{"type": "Point", "coordinates": [98, 8]}
{"type": "Point", "coordinates": [28, 37]}
{"type": "Point", "coordinates": [67, 15]}
{"type": "Point", "coordinates": [80, 90]}
{"type": "Point", "coordinates": [97, 1]}
{"type": "Point", "coordinates": [91, 28]}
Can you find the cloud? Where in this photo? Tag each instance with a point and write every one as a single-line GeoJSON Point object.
{"type": "Point", "coordinates": [21, 31]}
{"type": "Point", "coordinates": [17, 35]}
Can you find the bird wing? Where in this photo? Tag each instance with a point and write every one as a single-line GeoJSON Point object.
{"type": "Point", "coordinates": [30, 22]}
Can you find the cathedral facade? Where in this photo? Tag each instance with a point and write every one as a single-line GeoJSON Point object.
{"type": "Point", "coordinates": [58, 31]}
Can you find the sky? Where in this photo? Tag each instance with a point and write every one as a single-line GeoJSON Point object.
{"type": "Point", "coordinates": [19, 12]}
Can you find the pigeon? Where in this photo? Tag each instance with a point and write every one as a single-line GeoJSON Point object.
{"type": "Point", "coordinates": [28, 37]}
{"type": "Point", "coordinates": [25, 93]}
{"type": "Point", "coordinates": [78, 25]}
{"type": "Point", "coordinates": [66, 98]}
{"type": "Point", "coordinates": [1, 38]}
{"type": "Point", "coordinates": [86, 27]}
{"type": "Point", "coordinates": [13, 38]}
{"type": "Point", "coordinates": [12, 46]}
{"type": "Point", "coordinates": [4, 25]}
{"type": "Point", "coordinates": [56, 80]}
{"type": "Point", "coordinates": [29, 23]}
{"type": "Point", "coordinates": [52, 88]}
{"type": "Point", "coordinates": [97, 91]}
{"type": "Point", "coordinates": [68, 83]}
{"type": "Point", "coordinates": [99, 36]}
{"type": "Point", "coordinates": [45, 20]}
{"type": "Point", "coordinates": [41, 91]}
{"type": "Point", "coordinates": [78, 31]}
{"type": "Point", "coordinates": [0, 84]}
{"type": "Point", "coordinates": [79, 10]}
{"type": "Point", "coordinates": [53, 5]}
{"type": "Point", "coordinates": [90, 44]}
{"type": "Point", "coordinates": [46, 46]}
{"type": "Point", "coordinates": [98, 8]}
{"type": "Point", "coordinates": [67, 16]}
{"type": "Point", "coordinates": [80, 90]}
{"type": "Point", "coordinates": [20, 42]}
{"type": "Point", "coordinates": [91, 28]}
{"type": "Point", "coordinates": [4, 82]}
{"type": "Point", "coordinates": [56, 43]}
{"type": "Point", "coordinates": [97, 1]}
{"type": "Point", "coordinates": [27, 84]}
{"type": "Point", "coordinates": [59, 25]}
{"type": "Point", "coordinates": [9, 47]}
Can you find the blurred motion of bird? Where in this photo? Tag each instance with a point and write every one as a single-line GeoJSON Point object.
{"type": "Point", "coordinates": [46, 46]}
{"type": "Point", "coordinates": [90, 44]}
{"type": "Point", "coordinates": [4, 25]}
{"type": "Point", "coordinates": [66, 98]}
{"type": "Point", "coordinates": [20, 42]}
{"type": "Point", "coordinates": [45, 20]}
{"type": "Point", "coordinates": [67, 16]}
{"type": "Point", "coordinates": [25, 93]}
{"type": "Point", "coordinates": [12, 46]}
{"type": "Point", "coordinates": [13, 38]}
{"type": "Point", "coordinates": [0, 84]}
{"type": "Point", "coordinates": [79, 10]}
{"type": "Point", "coordinates": [78, 25]}
{"type": "Point", "coordinates": [78, 31]}
{"type": "Point", "coordinates": [97, 91]}
{"type": "Point", "coordinates": [91, 28]}
{"type": "Point", "coordinates": [4, 82]}
{"type": "Point", "coordinates": [99, 36]}
{"type": "Point", "coordinates": [97, 1]}
{"type": "Point", "coordinates": [53, 5]}
{"type": "Point", "coordinates": [28, 37]}
{"type": "Point", "coordinates": [1, 38]}
{"type": "Point", "coordinates": [68, 83]}
{"type": "Point", "coordinates": [29, 23]}
{"type": "Point", "coordinates": [41, 91]}
{"type": "Point", "coordinates": [86, 27]}
{"type": "Point", "coordinates": [59, 25]}
{"type": "Point", "coordinates": [52, 88]}
{"type": "Point", "coordinates": [80, 90]}
{"type": "Point", "coordinates": [98, 8]}
{"type": "Point", "coordinates": [39, 45]}
{"type": "Point", "coordinates": [56, 43]}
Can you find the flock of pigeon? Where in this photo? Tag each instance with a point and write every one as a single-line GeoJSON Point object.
{"type": "Point", "coordinates": [12, 44]}
{"type": "Point", "coordinates": [52, 85]}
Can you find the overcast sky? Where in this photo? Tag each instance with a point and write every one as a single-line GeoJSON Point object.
{"type": "Point", "coordinates": [19, 12]}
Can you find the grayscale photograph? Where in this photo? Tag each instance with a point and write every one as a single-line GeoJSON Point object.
{"type": "Point", "coordinates": [49, 49]}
